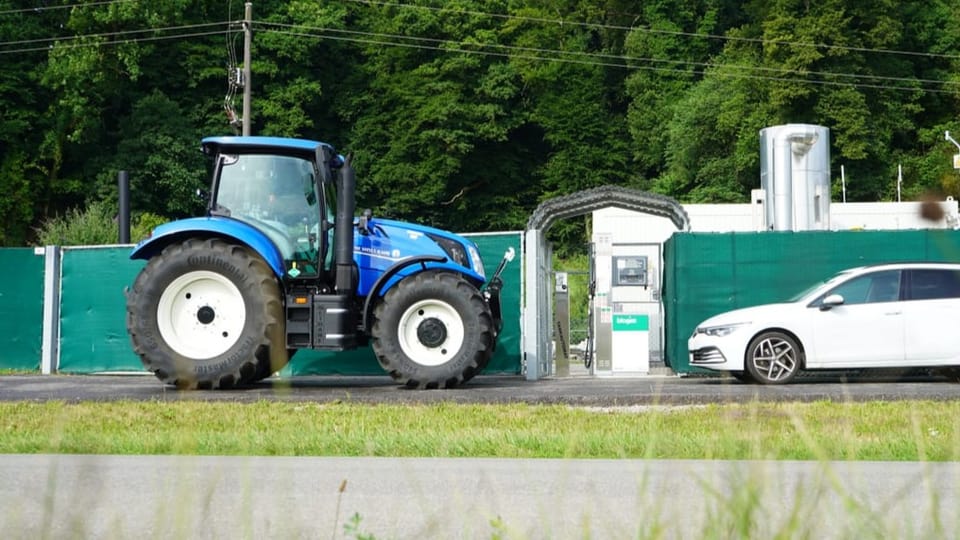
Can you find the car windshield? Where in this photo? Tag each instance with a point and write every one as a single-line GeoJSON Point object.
{"type": "Point", "coordinates": [818, 285]}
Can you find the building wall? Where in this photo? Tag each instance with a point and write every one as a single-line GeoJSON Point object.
{"type": "Point", "coordinates": [629, 226]}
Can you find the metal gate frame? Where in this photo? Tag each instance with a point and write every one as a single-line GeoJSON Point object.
{"type": "Point", "coordinates": [538, 259]}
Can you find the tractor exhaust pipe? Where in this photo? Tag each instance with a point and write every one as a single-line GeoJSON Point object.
{"type": "Point", "coordinates": [345, 282]}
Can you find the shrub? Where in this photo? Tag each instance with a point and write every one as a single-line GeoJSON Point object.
{"type": "Point", "coordinates": [96, 225]}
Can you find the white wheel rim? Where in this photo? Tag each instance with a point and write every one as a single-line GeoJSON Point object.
{"type": "Point", "coordinates": [425, 315]}
{"type": "Point", "coordinates": [775, 358]}
{"type": "Point", "coordinates": [201, 315]}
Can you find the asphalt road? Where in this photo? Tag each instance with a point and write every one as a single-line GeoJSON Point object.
{"type": "Point", "coordinates": [574, 390]}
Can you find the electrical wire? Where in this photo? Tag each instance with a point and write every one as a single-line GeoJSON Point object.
{"type": "Point", "coordinates": [232, 85]}
{"type": "Point", "coordinates": [110, 43]}
{"type": "Point", "coordinates": [67, 45]}
{"type": "Point", "coordinates": [103, 35]}
{"type": "Point", "coordinates": [40, 9]}
{"type": "Point", "coordinates": [627, 58]}
{"type": "Point", "coordinates": [562, 22]}
{"type": "Point", "coordinates": [528, 53]}
{"type": "Point", "coordinates": [599, 59]}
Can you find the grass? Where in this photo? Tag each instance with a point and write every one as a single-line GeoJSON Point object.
{"type": "Point", "coordinates": [887, 431]}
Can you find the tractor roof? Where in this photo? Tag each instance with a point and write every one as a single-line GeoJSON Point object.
{"type": "Point", "coordinates": [271, 145]}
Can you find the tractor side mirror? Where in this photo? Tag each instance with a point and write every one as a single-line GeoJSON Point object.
{"type": "Point", "coordinates": [364, 223]}
{"type": "Point", "coordinates": [324, 157]}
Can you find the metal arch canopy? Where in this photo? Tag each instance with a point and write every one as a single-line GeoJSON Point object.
{"type": "Point", "coordinates": [537, 311]}
{"type": "Point", "coordinates": [589, 200]}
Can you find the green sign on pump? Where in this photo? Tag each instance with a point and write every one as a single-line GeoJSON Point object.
{"type": "Point", "coordinates": [631, 323]}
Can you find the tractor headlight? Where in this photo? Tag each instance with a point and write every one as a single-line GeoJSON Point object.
{"type": "Point", "coordinates": [452, 248]}
{"type": "Point", "coordinates": [476, 261]}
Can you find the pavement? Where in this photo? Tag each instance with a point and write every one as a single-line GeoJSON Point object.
{"type": "Point", "coordinates": [575, 390]}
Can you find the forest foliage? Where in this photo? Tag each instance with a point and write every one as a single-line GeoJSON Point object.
{"type": "Point", "coordinates": [466, 114]}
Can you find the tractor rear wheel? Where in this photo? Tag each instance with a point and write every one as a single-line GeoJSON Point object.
{"type": "Point", "coordinates": [207, 314]}
{"type": "Point", "coordinates": [433, 330]}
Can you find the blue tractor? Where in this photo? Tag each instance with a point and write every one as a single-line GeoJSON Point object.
{"type": "Point", "coordinates": [280, 263]}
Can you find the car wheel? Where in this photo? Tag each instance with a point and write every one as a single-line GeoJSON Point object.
{"type": "Point", "coordinates": [773, 358]}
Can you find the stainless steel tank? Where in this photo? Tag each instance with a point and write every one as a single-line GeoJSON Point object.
{"type": "Point", "coordinates": [795, 177]}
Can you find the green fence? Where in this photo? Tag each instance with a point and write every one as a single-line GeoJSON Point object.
{"type": "Point", "coordinates": [92, 327]}
{"type": "Point", "coordinates": [709, 273]}
{"type": "Point", "coordinates": [21, 308]}
{"type": "Point", "coordinates": [704, 274]}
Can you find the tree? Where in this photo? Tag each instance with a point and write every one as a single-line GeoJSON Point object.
{"type": "Point", "coordinates": [159, 148]}
{"type": "Point", "coordinates": [22, 122]}
{"type": "Point", "coordinates": [670, 50]}
{"type": "Point", "coordinates": [432, 118]}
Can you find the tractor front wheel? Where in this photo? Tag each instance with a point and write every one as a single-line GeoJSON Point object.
{"type": "Point", "coordinates": [433, 330]}
{"type": "Point", "coordinates": [207, 314]}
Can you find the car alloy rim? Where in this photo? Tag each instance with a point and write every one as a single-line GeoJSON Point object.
{"type": "Point", "coordinates": [775, 358]}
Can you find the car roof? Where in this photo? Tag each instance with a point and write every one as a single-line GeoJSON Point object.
{"type": "Point", "coordinates": [904, 266]}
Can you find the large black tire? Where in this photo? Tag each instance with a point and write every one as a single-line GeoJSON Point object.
{"type": "Point", "coordinates": [773, 357]}
{"type": "Point", "coordinates": [204, 314]}
{"type": "Point", "coordinates": [433, 330]}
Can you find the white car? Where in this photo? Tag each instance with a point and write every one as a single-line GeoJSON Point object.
{"type": "Point", "coordinates": [880, 316]}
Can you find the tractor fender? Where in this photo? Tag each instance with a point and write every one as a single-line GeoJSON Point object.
{"type": "Point", "coordinates": [402, 269]}
{"type": "Point", "coordinates": [212, 226]}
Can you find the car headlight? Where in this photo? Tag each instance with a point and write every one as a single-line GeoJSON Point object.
{"type": "Point", "coordinates": [719, 330]}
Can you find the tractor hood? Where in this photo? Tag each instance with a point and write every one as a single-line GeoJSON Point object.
{"type": "Point", "coordinates": [383, 243]}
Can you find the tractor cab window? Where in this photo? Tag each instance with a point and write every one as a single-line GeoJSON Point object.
{"type": "Point", "coordinates": [330, 210]}
{"type": "Point", "coordinates": [278, 196]}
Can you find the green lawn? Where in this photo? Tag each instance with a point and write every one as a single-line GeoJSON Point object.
{"type": "Point", "coordinates": [902, 430]}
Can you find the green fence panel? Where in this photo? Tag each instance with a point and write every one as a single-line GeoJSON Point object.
{"type": "Point", "coordinates": [21, 308]}
{"type": "Point", "coordinates": [93, 332]}
{"type": "Point", "coordinates": [506, 358]}
{"type": "Point", "coordinates": [709, 273]}
{"type": "Point", "coordinates": [93, 336]}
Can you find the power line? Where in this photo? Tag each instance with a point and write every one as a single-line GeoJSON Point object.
{"type": "Point", "coordinates": [607, 60]}
{"type": "Point", "coordinates": [104, 35]}
{"type": "Point", "coordinates": [68, 45]}
{"type": "Point", "coordinates": [630, 58]}
{"type": "Point", "coordinates": [40, 9]}
{"type": "Point", "coordinates": [528, 53]}
{"type": "Point", "coordinates": [648, 30]}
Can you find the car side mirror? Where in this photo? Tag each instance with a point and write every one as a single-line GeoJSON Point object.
{"type": "Point", "coordinates": [831, 301]}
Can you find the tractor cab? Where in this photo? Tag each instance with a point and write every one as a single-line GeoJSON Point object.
{"type": "Point", "coordinates": [279, 195]}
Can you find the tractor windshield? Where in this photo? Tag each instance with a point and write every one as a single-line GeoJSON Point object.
{"type": "Point", "coordinates": [278, 196]}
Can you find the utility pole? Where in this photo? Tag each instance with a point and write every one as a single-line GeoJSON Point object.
{"type": "Point", "coordinates": [247, 43]}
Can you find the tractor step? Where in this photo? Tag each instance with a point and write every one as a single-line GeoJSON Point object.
{"type": "Point", "coordinates": [321, 321]}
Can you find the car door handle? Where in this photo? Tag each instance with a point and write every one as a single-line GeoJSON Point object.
{"type": "Point", "coordinates": [893, 313]}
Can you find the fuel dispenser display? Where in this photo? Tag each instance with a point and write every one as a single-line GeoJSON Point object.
{"type": "Point", "coordinates": [630, 271]}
